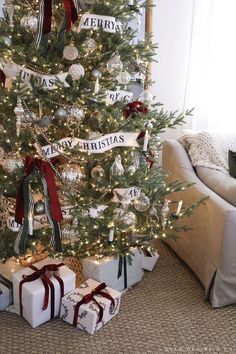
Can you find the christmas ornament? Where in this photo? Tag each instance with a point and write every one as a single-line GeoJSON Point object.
{"type": "Point", "coordinates": [129, 219]}
{"type": "Point", "coordinates": [135, 107]}
{"type": "Point", "coordinates": [19, 112]}
{"type": "Point", "coordinates": [11, 163]}
{"type": "Point", "coordinates": [153, 215]}
{"type": "Point", "coordinates": [70, 52]}
{"type": "Point", "coordinates": [123, 77]}
{"type": "Point", "coordinates": [164, 212]}
{"type": "Point", "coordinates": [90, 45]}
{"type": "Point", "coordinates": [72, 173]}
{"type": "Point", "coordinates": [68, 234]}
{"type": "Point", "coordinates": [76, 112]}
{"type": "Point", "coordinates": [146, 96]}
{"type": "Point", "coordinates": [39, 208]}
{"type": "Point", "coordinates": [97, 75]}
{"type": "Point", "coordinates": [29, 23]}
{"type": "Point", "coordinates": [135, 163]}
{"type": "Point", "coordinates": [76, 71]}
{"type": "Point", "coordinates": [154, 144]}
{"type": "Point", "coordinates": [6, 40]}
{"type": "Point", "coordinates": [11, 69]}
{"type": "Point", "coordinates": [114, 65]}
{"type": "Point", "coordinates": [142, 203]}
{"type": "Point", "coordinates": [60, 113]}
{"type": "Point", "coordinates": [97, 173]}
{"type": "Point", "coordinates": [117, 168]}
{"type": "Point", "coordinates": [45, 121]}
{"type": "Point", "coordinates": [9, 9]}
{"type": "Point", "coordinates": [94, 135]}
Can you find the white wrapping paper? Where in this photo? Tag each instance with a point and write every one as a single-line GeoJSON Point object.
{"type": "Point", "coordinates": [148, 263]}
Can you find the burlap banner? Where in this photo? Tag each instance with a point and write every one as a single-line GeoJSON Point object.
{"type": "Point", "coordinates": [105, 143]}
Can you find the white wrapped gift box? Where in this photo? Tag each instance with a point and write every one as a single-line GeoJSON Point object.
{"type": "Point", "coordinates": [5, 293]}
{"type": "Point", "coordinates": [149, 261]}
{"type": "Point", "coordinates": [88, 313]}
{"type": "Point", "coordinates": [33, 293]}
{"type": "Point", "coordinates": [106, 270]}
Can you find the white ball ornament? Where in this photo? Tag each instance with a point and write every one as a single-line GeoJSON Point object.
{"type": "Point", "coordinates": [76, 71]}
{"type": "Point", "coordinates": [11, 69]}
{"type": "Point", "coordinates": [29, 23]}
{"type": "Point", "coordinates": [70, 52]}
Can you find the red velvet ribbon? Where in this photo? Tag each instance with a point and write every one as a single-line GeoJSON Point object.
{"type": "Point", "coordinates": [44, 167]}
{"type": "Point", "coordinates": [71, 13]}
{"type": "Point", "coordinates": [90, 297]}
{"type": "Point", "coordinates": [2, 78]}
{"type": "Point", "coordinates": [44, 274]}
{"type": "Point", "coordinates": [135, 107]}
{"type": "Point", "coordinates": [47, 20]}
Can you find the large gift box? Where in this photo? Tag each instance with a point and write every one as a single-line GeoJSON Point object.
{"type": "Point", "coordinates": [5, 292]}
{"type": "Point", "coordinates": [149, 260]}
{"type": "Point", "coordinates": [118, 273]}
{"type": "Point", "coordinates": [90, 306]}
{"type": "Point", "coordinates": [38, 290]}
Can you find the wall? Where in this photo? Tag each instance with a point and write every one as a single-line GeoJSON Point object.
{"type": "Point", "coordinates": [172, 20]}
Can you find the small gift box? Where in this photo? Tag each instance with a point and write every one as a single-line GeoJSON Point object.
{"type": "Point", "coordinates": [39, 288]}
{"type": "Point", "coordinates": [118, 273]}
{"type": "Point", "coordinates": [5, 292]}
{"type": "Point", "coordinates": [90, 306]}
{"type": "Point", "coordinates": [149, 259]}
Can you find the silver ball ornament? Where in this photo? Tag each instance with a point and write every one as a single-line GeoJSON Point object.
{"type": "Point", "coordinates": [29, 23]}
{"type": "Point", "coordinates": [124, 77]}
{"type": "Point", "coordinates": [96, 74]}
{"type": "Point", "coordinates": [11, 163]}
{"type": "Point", "coordinates": [97, 173]}
{"type": "Point", "coordinates": [73, 173]}
{"type": "Point", "coordinates": [11, 69]}
{"type": "Point", "coordinates": [76, 71]}
{"type": "Point", "coordinates": [39, 208]}
{"type": "Point", "coordinates": [60, 113]}
{"type": "Point", "coordinates": [114, 65]}
{"type": "Point", "coordinates": [6, 40]}
{"type": "Point", "coordinates": [129, 219]}
{"type": "Point", "coordinates": [149, 125]}
{"type": "Point", "coordinates": [70, 52]}
{"type": "Point", "coordinates": [142, 203]}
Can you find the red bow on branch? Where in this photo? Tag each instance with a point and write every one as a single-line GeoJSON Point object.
{"type": "Point", "coordinates": [90, 297]}
{"type": "Point", "coordinates": [32, 164]}
{"type": "Point", "coordinates": [135, 107]}
{"type": "Point", "coordinates": [44, 274]}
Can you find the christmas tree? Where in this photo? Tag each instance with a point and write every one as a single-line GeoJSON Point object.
{"type": "Point", "coordinates": [78, 150]}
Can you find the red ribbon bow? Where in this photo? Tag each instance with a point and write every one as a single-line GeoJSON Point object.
{"type": "Point", "coordinates": [135, 107]}
{"type": "Point", "coordinates": [44, 274]}
{"type": "Point", "coordinates": [90, 297]}
{"type": "Point", "coordinates": [47, 171]}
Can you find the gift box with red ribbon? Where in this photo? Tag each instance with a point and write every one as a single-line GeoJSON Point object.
{"type": "Point", "coordinates": [149, 260]}
{"type": "Point", "coordinates": [38, 290]}
{"type": "Point", "coordinates": [90, 306]}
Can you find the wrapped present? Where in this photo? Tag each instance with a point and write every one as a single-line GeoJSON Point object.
{"type": "Point", "coordinates": [149, 259]}
{"type": "Point", "coordinates": [5, 292]}
{"type": "Point", "coordinates": [39, 288]}
{"type": "Point", "coordinates": [118, 273]}
{"type": "Point", "coordinates": [90, 306]}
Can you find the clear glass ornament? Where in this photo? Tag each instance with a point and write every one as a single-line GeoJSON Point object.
{"type": "Point", "coordinates": [114, 65]}
{"type": "Point", "coordinates": [142, 203]}
{"type": "Point", "coordinates": [123, 77]}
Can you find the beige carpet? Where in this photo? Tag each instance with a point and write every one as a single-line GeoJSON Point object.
{"type": "Point", "coordinates": [165, 313]}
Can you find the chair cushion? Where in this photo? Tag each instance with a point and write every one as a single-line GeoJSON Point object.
{"type": "Point", "coordinates": [221, 183]}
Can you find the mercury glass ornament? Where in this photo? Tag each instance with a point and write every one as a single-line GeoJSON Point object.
{"type": "Point", "coordinates": [142, 203]}
{"type": "Point", "coordinates": [72, 173]}
{"type": "Point", "coordinates": [11, 69]}
{"type": "Point", "coordinates": [114, 65]}
{"type": "Point", "coordinates": [90, 45]}
{"type": "Point", "coordinates": [76, 71]}
{"type": "Point", "coordinates": [60, 113]}
{"type": "Point", "coordinates": [11, 163]}
{"type": "Point", "coordinates": [129, 219]}
{"type": "Point", "coordinates": [76, 112]}
{"type": "Point", "coordinates": [70, 52]}
{"type": "Point", "coordinates": [97, 173]}
{"type": "Point", "coordinates": [123, 77]}
{"type": "Point", "coordinates": [29, 23]}
{"type": "Point", "coordinates": [6, 40]}
{"type": "Point", "coordinates": [39, 208]}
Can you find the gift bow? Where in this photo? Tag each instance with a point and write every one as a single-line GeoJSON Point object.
{"type": "Point", "coordinates": [44, 274]}
{"type": "Point", "coordinates": [32, 164]}
{"type": "Point", "coordinates": [90, 297]}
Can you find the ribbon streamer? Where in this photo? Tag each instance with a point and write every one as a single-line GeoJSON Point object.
{"type": "Point", "coordinates": [123, 264]}
{"type": "Point", "coordinates": [44, 274]}
{"type": "Point", "coordinates": [2, 78]}
{"type": "Point", "coordinates": [90, 297]}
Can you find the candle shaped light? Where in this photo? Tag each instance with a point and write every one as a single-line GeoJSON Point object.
{"type": "Point", "coordinates": [111, 235]}
{"type": "Point", "coordinates": [30, 224]}
{"type": "Point", "coordinates": [179, 207]}
{"type": "Point", "coordinates": [145, 142]}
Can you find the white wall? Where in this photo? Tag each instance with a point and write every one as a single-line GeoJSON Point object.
{"type": "Point", "coordinates": [172, 21]}
{"type": "Point", "coordinates": [1, 4]}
